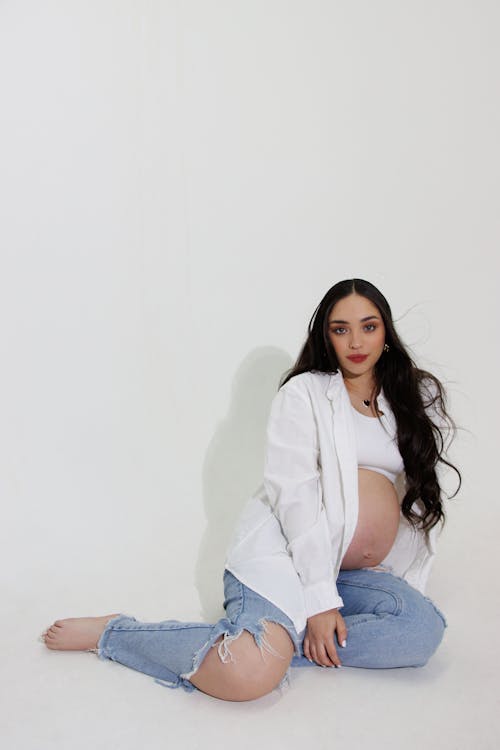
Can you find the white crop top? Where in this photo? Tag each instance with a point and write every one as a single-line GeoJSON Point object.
{"type": "Point", "coordinates": [376, 448]}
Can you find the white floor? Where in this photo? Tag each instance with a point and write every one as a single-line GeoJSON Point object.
{"type": "Point", "coordinates": [55, 700]}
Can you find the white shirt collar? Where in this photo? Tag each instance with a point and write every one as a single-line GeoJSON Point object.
{"type": "Point", "coordinates": [336, 389]}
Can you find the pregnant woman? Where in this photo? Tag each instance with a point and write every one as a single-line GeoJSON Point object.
{"type": "Point", "coordinates": [330, 557]}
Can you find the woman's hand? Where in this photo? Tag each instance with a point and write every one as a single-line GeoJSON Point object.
{"type": "Point", "coordinates": [319, 644]}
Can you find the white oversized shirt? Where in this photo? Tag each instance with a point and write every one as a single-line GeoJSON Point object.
{"type": "Point", "coordinates": [295, 529]}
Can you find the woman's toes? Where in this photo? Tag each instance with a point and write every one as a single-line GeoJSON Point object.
{"type": "Point", "coordinates": [52, 636]}
{"type": "Point", "coordinates": [76, 633]}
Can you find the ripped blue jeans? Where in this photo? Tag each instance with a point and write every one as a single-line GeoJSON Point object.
{"type": "Point", "coordinates": [390, 624]}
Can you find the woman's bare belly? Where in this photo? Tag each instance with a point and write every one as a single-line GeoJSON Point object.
{"type": "Point", "coordinates": [378, 521]}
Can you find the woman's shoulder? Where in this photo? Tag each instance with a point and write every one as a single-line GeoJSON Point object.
{"type": "Point", "coordinates": [312, 381]}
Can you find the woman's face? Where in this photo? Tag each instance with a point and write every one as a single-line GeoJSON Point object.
{"type": "Point", "coordinates": [356, 329]}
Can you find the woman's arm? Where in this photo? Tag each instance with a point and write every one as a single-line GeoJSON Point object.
{"type": "Point", "coordinates": [293, 487]}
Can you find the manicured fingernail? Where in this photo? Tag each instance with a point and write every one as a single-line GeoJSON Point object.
{"type": "Point", "coordinates": [338, 666]}
{"type": "Point", "coordinates": [343, 644]}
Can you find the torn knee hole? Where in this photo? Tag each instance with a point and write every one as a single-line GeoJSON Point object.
{"type": "Point", "coordinates": [224, 651]}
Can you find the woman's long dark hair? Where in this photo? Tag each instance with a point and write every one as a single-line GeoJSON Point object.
{"type": "Point", "coordinates": [409, 391]}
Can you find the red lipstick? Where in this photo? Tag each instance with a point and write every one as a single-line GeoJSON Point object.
{"type": "Point", "coordinates": [357, 357]}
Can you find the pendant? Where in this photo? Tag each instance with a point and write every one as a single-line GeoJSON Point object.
{"type": "Point", "coordinates": [366, 403]}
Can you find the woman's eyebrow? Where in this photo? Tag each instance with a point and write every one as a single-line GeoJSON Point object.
{"type": "Point", "coordinates": [363, 320]}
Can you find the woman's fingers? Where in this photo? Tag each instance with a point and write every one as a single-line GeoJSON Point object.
{"type": "Point", "coordinates": [306, 649]}
{"type": "Point", "coordinates": [341, 631]}
{"type": "Point", "coordinates": [332, 653]}
{"type": "Point", "coordinates": [315, 657]}
{"type": "Point", "coordinates": [325, 654]}
{"type": "Point", "coordinates": [319, 641]}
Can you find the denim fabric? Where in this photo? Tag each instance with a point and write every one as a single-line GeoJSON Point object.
{"type": "Point", "coordinates": [390, 624]}
{"type": "Point", "coordinates": [171, 651]}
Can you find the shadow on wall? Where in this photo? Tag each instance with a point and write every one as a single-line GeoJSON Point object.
{"type": "Point", "coordinates": [233, 467]}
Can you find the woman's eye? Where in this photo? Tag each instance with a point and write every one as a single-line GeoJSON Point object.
{"type": "Point", "coordinates": [369, 327]}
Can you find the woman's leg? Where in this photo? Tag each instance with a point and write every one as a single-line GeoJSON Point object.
{"type": "Point", "coordinates": [389, 623]}
{"type": "Point", "coordinates": [254, 645]}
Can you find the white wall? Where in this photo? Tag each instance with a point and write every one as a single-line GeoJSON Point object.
{"type": "Point", "coordinates": [180, 184]}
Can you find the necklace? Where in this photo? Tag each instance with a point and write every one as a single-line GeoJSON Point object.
{"type": "Point", "coordinates": [367, 402]}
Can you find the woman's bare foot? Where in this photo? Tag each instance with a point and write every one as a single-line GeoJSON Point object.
{"type": "Point", "coordinates": [76, 633]}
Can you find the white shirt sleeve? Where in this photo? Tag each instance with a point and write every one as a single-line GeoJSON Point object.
{"type": "Point", "coordinates": [293, 487]}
